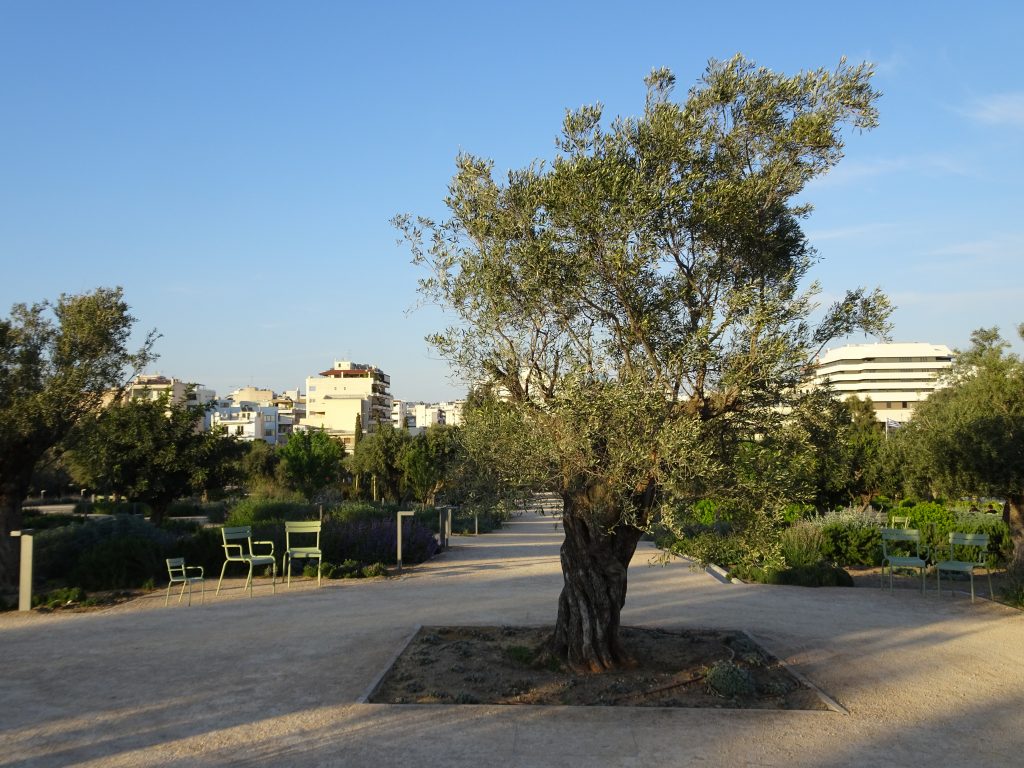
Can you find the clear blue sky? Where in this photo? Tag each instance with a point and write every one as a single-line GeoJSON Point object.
{"type": "Point", "coordinates": [234, 165]}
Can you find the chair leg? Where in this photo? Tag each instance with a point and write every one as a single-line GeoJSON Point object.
{"type": "Point", "coordinates": [287, 570]}
{"type": "Point", "coordinates": [181, 594]}
{"type": "Point", "coordinates": [189, 603]}
{"type": "Point", "coordinates": [248, 581]}
{"type": "Point", "coordinates": [319, 569]}
{"type": "Point", "coordinates": [168, 598]}
{"type": "Point", "coordinates": [221, 577]}
{"type": "Point", "coordinates": [273, 576]}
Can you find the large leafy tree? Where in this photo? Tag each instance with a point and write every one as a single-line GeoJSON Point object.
{"type": "Point", "coordinates": [57, 363]}
{"type": "Point", "coordinates": [638, 306]}
{"type": "Point", "coordinates": [430, 462]}
{"type": "Point", "coordinates": [970, 434]}
{"type": "Point", "coordinates": [153, 451]}
{"type": "Point", "coordinates": [379, 455]}
{"type": "Point", "coordinates": [311, 461]}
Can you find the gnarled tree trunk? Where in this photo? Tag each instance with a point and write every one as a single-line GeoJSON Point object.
{"type": "Point", "coordinates": [594, 563]}
{"type": "Point", "coordinates": [1013, 514]}
{"type": "Point", "coordinates": [10, 520]}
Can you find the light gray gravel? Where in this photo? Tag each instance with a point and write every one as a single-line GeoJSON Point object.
{"type": "Point", "coordinates": [275, 680]}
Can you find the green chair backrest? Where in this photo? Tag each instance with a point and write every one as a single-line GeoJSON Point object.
{"type": "Point", "coordinates": [233, 537]}
{"type": "Point", "coordinates": [968, 547]}
{"type": "Point", "coordinates": [176, 567]}
{"type": "Point", "coordinates": [910, 536]}
{"type": "Point", "coordinates": [301, 527]}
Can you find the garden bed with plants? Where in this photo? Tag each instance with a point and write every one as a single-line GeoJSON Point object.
{"type": "Point", "coordinates": [80, 561]}
{"type": "Point", "coordinates": [843, 548]}
{"type": "Point", "coordinates": [511, 665]}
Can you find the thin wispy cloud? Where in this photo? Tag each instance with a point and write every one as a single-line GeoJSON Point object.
{"type": "Point", "coordinates": [998, 109]}
{"type": "Point", "coordinates": [851, 172]}
{"type": "Point", "coordinates": [1004, 247]}
{"type": "Point", "coordinates": [847, 233]}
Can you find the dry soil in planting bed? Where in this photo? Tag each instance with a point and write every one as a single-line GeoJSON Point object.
{"type": "Point", "coordinates": [511, 665]}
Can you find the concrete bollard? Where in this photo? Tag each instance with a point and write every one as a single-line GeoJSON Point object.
{"type": "Point", "coordinates": [399, 529]}
{"type": "Point", "coordinates": [25, 577]}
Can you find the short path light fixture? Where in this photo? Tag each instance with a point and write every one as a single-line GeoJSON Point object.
{"type": "Point", "coordinates": [408, 513]}
{"type": "Point", "coordinates": [25, 578]}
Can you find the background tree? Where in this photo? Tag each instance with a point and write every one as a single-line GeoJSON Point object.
{"type": "Point", "coordinates": [430, 461]}
{"type": "Point", "coordinates": [379, 456]}
{"type": "Point", "coordinates": [311, 461]}
{"type": "Point", "coordinates": [152, 451]}
{"type": "Point", "coordinates": [636, 305]}
{"type": "Point", "coordinates": [865, 443]}
{"type": "Point", "coordinates": [260, 467]}
{"type": "Point", "coordinates": [971, 433]}
{"type": "Point", "coordinates": [57, 363]}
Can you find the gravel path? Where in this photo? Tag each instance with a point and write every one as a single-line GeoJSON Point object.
{"type": "Point", "coordinates": [276, 680]}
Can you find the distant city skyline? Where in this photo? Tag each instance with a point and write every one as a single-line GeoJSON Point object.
{"type": "Point", "coordinates": [234, 166]}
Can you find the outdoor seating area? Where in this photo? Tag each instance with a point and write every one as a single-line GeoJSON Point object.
{"type": "Point", "coordinates": [237, 552]}
{"type": "Point", "coordinates": [963, 554]}
{"type": "Point", "coordinates": [302, 543]}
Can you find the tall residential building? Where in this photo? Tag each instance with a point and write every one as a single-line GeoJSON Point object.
{"type": "Point", "coordinates": [895, 376]}
{"type": "Point", "coordinates": [336, 396]}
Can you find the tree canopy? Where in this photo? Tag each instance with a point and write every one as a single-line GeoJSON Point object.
{"type": "Point", "coordinates": [311, 461]}
{"type": "Point", "coordinates": [57, 363]}
{"type": "Point", "coordinates": [636, 306]}
{"type": "Point", "coordinates": [969, 435]}
{"type": "Point", "coordinates": [152, 451]}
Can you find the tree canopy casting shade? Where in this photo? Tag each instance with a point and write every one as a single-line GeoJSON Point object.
{"type": "Point", "coordinates": [634, 305]}
{"type": "Point", "coordinates": [57, 362]}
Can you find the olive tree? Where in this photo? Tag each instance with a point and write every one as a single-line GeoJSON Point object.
{"type": "Point", "coordinates": [637, 306]}
{"type": "Point", "coordinates": [58, 361]}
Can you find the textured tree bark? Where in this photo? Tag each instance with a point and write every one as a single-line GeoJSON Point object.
{"type": "Point", "coordinates": [1013, 514]}
{"type": "Point", "coordinates": [10, 520]}
{"type": "Point", "coordinates": [594, 563]}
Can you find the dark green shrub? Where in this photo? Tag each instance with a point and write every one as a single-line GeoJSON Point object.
{"type": "Point", "coordinates": [118, 563]}
{"type": "Point", "coordinates": [254, 511]}
{"type": "Point", "coordinates": [850, 539]}
{"type": "Point", "coordinates": [816, 575]}
{"type": "Point", "coordinates": [37, 521]}
{"type": "Point", "coordinates": [375, 569]}
{"type": "Point", "coordinates": [726, 679]}
{"type": "Point", "coordinates": [59, 598]}
{"type": "Point", "coordinates": [86, 555]}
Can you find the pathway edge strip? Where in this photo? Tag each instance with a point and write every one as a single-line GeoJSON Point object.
{"type": "Point", "coordinates": [365, 697]}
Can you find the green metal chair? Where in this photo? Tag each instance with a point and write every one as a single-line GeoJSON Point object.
{"type": "Point", "coordinates": [302, 530]}
{"type": "Point", "coordinates": [235, 552]}
{"type": "Point", "coordinates": [901, 548]}
{"type": "Point", "coordinates": [967, 551]}
{"type": "Point", "coordinates": [178, 573]}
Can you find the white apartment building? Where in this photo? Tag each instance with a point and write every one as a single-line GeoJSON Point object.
{"type": "Point", "coordinates": [247, 420]}
{"type": "Point", "coordinates": [148, 386]}
{"type": "Point", "coordinates": [895, 376]}
{"type": "Point", "coordinates": [336, 396]}
{"type": "Point", "coordinates": [417, 417]}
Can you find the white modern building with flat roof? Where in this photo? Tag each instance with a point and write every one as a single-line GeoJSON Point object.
{"type": "Point", "coordinates": [895, 376]}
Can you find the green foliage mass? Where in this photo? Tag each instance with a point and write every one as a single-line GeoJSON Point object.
{"type": "Point", "coordinates": [311, 461]}
{"type": "Point", "coordinates": [635, 308]}
{"type": "Point", "coordinates": [57, 363]}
